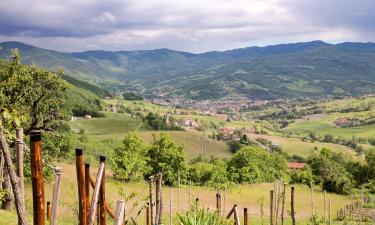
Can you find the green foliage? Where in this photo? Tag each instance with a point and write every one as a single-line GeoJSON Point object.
{"type": "Point", "coordinates": [201, 216]}
{"type": "Point", "coordinates": [35, 94]}
{"type": "Point", "coordinates": [167, 157]}
{"type": "Point", "coordinates": [253, 165]}
{"type": "Point", "coordinates": [234, 146]}
{"type": "Point", "coordinates": [129, 161]}
{"type": "Point", "coordinates": [303, 176]}
{"type": "Point", "coordinates": [131, 96]}
{"type": "Point", "coordinates": [157, 122]}
{"type": "Point", "coordinates": [209, 173]}
{"type": "Point", "coordinates": [330, 172]}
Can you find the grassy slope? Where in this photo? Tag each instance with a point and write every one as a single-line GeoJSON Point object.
{"type": "Point", "coordinates": [244, 195]}
{"type": "Point", "coordinates": [298, 147]}
{"type": "Point", "coordinates": [104, 134]}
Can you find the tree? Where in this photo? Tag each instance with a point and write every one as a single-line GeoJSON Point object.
{"type": "Point", "coordinates": [234, 146]}
{"type": "Point", "coordinates": [129, 161]}
{"type": "Point", "coordinates": [253, 165]}
{"type": "Point", "coordinates": [32, 94]}
{"type": "Point", "coordinates": [330, 172]}
{"type": "Point", "coordinates": [167, 157]}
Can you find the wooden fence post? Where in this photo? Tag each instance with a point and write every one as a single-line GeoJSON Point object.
{"type": "Point", "coordinates": [87, 188]}
{"type": "Point", "coordinates": [56, 196]}
{"type": "Point", "coordinates": [324, 208]}
{"type": "Point", "coordinates": [151, 186]}
{"type": "Point", "coordinates": [148, 215]}
{"type": "Point", "coordinates": [48, 211]}
{"type": "Point", "coordinates": [292, 211]}
{"type": "Point", "coordinates": [189, 193]}
{"type": "Point", "coordinates": [218, 203]}
{"type": "Point", "coordinates": [178, 193]}
{"type": "Point", "coordinates": [236, 217]}
{"type": "Point", "coordinates": [159, 204]}
{"type": "Point", "coordinates": [245, 217]}
{"type": "Point", "coordinates": [82, 217]}
{"type": "Point", "coordinates": [95, 195]}
{"type": "Point", "coordinates": [329, 211]}
{"type": "Point", "coordinates": [170, 206]}
{"type": "Point", "coordinates": [271, 207]}
{"type": "Point", "coordinates": [283, 205]}
{"type": "Point", "coordinates": [312, 202]}
{"type": "Point", "coordinates": [119, 213]}
{"type": "Point", "coordinates": [103, 220]}
{"type": "Point", "coordinates": [7, 186]}
{"type": "Point", "coordinates": [37, 177]}
{"type": "Point", "coordinates": [19, 159]}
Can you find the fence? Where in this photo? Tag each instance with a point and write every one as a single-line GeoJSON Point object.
{"type": "Point", "coordinates": [158, 202]}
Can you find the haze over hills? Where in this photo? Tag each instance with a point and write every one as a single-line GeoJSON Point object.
{"type": "Point", "coordinates": [308, 69]}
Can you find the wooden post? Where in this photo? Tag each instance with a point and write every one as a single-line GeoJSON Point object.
{"type": "Point", "coordinates": [56, 196]}
{"type": "Point", "coordinates": [236, 217]}
{"type": "Point", "coordinates": [231, 211]}
{"type": "Point", "coordinates": [329, 211]}
{"type": "Point", "coordinates": [37, 177]}
{"type": "Point", "coordinates": [224, 198]}
{"type": "Point", "coordinates": [20, 203]}
{"type": "Point", "coordinates": [178, 193]}
{"type": "Point", "coordinates": [245, 217]}
{"type": "Point", "coordinates": [170, 206]}
{"type": "Point", "coordinates": [19, 159]}
{"type": "Point", "coordinates": [102, 208]}
{"type": "Point", "coordinates": [87, 188]}
{"type": "Point", "coordinates": [82, 216]}
{"type": "Point", "coordinates": [7, 186]}
{"type": "Point", "coordinates": [293, 213]}
{"type": "Point", "coordinates": [271, 207]}
{"type": "Point", "coordinates": [189, 193]}
{"type": "Point", "coordinates": [157, 199]}
{"type": "Point", "coordinates": [218, 203]}
{"type": "Point", "coordinates": [312, 202]}
{"type": "Point", "coordinates": [148, 215]}
{"type": "Point", "coordinates": [119, 213]}
{"type": "Point", "coordinates": [151, 185]}
{"type": "Point", "coordinates": [48, 211]}
{"type": "Point", "coordinates": [277, 201]}
{"type": "Point", "coordinates": [283, 205]}
{"type": "Point", "coordinates": [95, 195]}
{"type": "Point", "coordinates": [324, 208]}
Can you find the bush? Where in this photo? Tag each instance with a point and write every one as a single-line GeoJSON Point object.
{"type": "Point", "coordinates": [201, 216]}
{"type": "Point", "coordinates": [253, 165]}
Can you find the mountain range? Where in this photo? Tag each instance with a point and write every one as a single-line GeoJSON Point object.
{"type": "Point", "coordinates": [306, 69]}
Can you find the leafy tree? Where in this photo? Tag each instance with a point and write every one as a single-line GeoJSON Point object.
{"type": "Point", "coordinates": [32, 94]}
{"type": "Point", "coordinates": [165, 156]}
{"type": "Point", "coordinates": [330, 172]}
{"type": "Point", "coordinates": [234, 146]}
{"type": "Point", "coordinates": [129, 161]}
{"type": "Point", "coordinates": [253, 165]}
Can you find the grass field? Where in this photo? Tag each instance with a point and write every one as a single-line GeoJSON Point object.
{"type": "Point", "coordinates": [325, 126]}
{"type": "Point", "coordinates": [296, 146]}
{"type": "Point", "coordinates": [102, 135]}
{"type": "Point", "coordinates": [249, 196]}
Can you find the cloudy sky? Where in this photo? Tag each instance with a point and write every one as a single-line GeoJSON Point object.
{"type": "Point", "coordinates": [188, 25]}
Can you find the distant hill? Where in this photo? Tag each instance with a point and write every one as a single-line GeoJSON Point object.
{"type": "Point", "coordinates": [306, 69]}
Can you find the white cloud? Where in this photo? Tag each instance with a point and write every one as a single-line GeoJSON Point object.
{"type": "Point", "coordinates": [190, 25]}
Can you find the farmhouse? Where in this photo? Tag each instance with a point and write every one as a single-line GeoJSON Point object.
{"type": "Point", "coordinates": [296, 166]}
{"type": "Point", "coordinates": [342, 122]}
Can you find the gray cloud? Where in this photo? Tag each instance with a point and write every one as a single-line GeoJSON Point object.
{"type": "Point", "coordinates": [191, 25]}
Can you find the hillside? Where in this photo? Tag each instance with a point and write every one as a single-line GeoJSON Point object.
{"type": "Point", "coordinates": [309, 69]}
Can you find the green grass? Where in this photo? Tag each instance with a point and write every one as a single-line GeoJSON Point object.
{"type": "Point", "coordinates": [243, 195]}
{"type": "Point", "coordinates": [113, 123]}
{"type": "Point", "coordinates": [322, 127]}
{"type": "Point", "coordinates": [296, 146]}
{"type": "Point", "coordinates": [102, 135]}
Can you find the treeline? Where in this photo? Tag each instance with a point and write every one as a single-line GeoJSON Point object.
{"type": "Point", "coordinates": [154, 121]}
{"type": "Point", "coordinates": [333, 172]}
{"type": "Point", "coordinates": [336, 173]}
{"type": "Point", "coordinates": [354, 142]}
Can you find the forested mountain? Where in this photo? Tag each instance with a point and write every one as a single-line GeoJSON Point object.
{"type": "Point", "coordinates": [287, 70]}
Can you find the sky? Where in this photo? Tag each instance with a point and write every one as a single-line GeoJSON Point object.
{"type": "Point", "coordinates": [185, 25]}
